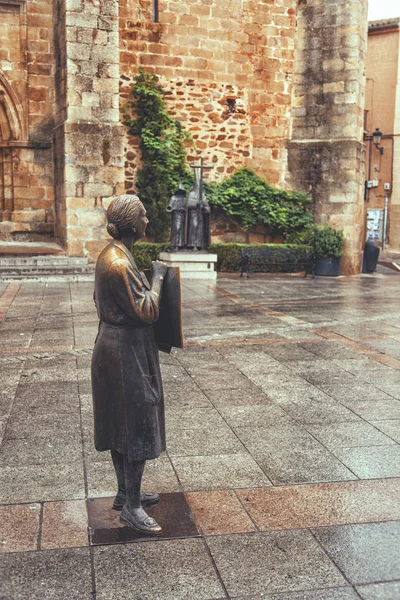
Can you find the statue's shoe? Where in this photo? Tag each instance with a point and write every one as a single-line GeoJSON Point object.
{"type": "Point", "coordinates": [146, 499]}
{"type": "Point", "coordinates": [140, 522]}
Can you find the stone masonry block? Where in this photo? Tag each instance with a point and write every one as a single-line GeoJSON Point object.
{"type": "Point", "coordinates": [333, 87]}
{"type": "Point", "coordinates": [29, 216]}
{"type": "Point", "coordinates": [90, 99]}
{"type": "Point", "coordinates": [334, 64]}
{"type": "Point", "coordinates": [92, 218]}
{"type": "Point", "coordinates": [77, 51]}
{"type": "Point", "coordinates": [98, 189]}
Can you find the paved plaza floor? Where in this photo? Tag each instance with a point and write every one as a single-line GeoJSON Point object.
{"type": "Point", "coordinates": [282, 476]}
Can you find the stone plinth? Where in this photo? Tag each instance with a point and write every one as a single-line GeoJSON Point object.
{"type": "Point", "coordinates": [193, 265]}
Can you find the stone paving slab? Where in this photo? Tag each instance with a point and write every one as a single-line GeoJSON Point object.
{"type": "Point", "coordinates": [283, 415]}
{"type": "Point", "coordinates": [365, 553]}
{"type": "Point", "coordinates": [257, 563]}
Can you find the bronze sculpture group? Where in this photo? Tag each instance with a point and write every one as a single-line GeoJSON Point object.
{"type": "Point", "coordinates": [190, 226]}
{"type": "Point", "coordinates": [127, 389]}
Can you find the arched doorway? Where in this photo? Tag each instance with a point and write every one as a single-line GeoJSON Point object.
{"type": "Point", "coordinates": [11, 130]}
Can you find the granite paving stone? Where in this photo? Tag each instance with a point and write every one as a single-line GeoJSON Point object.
{"type": "Point", "coordinates": [53, 370]}
{"type": "Point", "coordinates": [46, 575]}
{"type": "Point", "coordinates": [391, 428]}
{"type": "Point", "coordinates": [19, 527]}
{"type": "Point", "coordinates": [389, 378]}
{"type": "Point", "coordinates": [390, 389]}
{"type": "Point", "coordinates": [338, 593]}
{"type": "Point", "coordinates": [377, 405]}
{"type": "Point", "coordinates": [316, 408]}
{"type": "Point", "coordinates": [219, 512]}
{"type": "Point", "coordinates": [297, 507]}
{"type": "Point", "coordinates": [380, 591]}
{"type": "Point", "coordinates": [288, 352]}
{"type": "Point", "coordinates": [171, 570]}
{"type": "Point", "coordinates": [260, 563]}
{"type": "Point", "coordinates": [365, 553]}
{"type": "Point", "coordinates": [330, 350]}
{"type": "Point", "coordinates": [60, 397]}
{"type": "Point", "coordinates": [203, 442]}
{"type": "Point", "coordinates": [289, 454]}
{"type": "Point", "coordinates": [40, 451]}
{"type": "Point", "coordinates": [64, 524]}
{"type": "Point", "coordinates": [3, 424]}
{"type": "Point", "coordinates": [236, 397]}
{"type": "Point", "coordinates": [371, 462]}
{"type": "Point", "coordinates": [218, 472]}
{"type": "Point", "coordinates": [7, 395]}
{"type": "Point", "coordinates": [35, 483]}
{"type": "Point", "coordinates": [339, 435]}
{"type": "Point", "coordinates": [45, 425]}
{"type": "Point", "coordinates": [177, 399]}
{"type": "Point", "coordinates": [358, 391]}
{"type": "Point", "coordinates": [262, 416]}
{"type": "Point", "coordinates": [193, 418]}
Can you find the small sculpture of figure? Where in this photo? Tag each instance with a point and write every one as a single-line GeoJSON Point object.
{"type": "Point", "coordinates": [198, 226]}
{"type": "Point", "coordinates": [177, 206]}
{"type": "Point", "coordinates": [126, 381]}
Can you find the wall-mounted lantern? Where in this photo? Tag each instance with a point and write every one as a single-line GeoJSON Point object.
{"type": "Point", "coordinates": [376, 138]}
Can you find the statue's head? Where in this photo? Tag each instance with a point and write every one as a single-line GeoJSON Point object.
{"type": "Point", "coordinates": [124, 214]}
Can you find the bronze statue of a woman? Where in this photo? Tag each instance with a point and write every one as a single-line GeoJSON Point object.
{"type": "Point", "coordinates": [126, 381]}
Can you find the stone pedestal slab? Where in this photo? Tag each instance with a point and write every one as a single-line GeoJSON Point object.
{"type": "Point", "coordinates": [193, 265]}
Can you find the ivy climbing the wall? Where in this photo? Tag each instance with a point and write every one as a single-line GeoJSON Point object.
{"type": "Point", "coordinates": [249, 199]}
{"type": "Point", "coordinates": [162, 146]}
{"type": "Point", "coordinates": [244, 197]}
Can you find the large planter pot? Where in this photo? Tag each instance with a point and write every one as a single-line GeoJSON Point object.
{"type": "Point", "coordinates": [328, 266]}
{"type": "Point", "coordinates": [370, 257]}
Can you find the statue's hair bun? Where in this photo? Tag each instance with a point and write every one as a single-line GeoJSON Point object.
{"type": "Point", "coordinates": [113, 230]}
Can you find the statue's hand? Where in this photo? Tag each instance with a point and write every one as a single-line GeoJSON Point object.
{"type": "Point", "coordinates": [159, 268]}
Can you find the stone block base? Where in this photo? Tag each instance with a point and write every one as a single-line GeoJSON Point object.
{"type": "Point", "coordinates": [193, 265]}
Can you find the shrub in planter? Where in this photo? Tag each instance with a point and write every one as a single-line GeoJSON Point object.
{"type": "Point", "coordinates": [328, 247]}
{"type": "Point", "coordinates": [145, 252]}
{"type": "Point", "coordinates": [282, 258]}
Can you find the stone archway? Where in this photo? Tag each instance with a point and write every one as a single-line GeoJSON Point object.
{"type": "Point", "coordinates": [12, 129]}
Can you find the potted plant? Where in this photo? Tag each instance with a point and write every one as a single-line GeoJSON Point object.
{"type": "Point", "coordinates": [328, 248]}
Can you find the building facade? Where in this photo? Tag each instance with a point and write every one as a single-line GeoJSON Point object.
{"type": "Point", "coordinates": [274, 85]}
{"type": "Point", "coordinates": [382, 111]}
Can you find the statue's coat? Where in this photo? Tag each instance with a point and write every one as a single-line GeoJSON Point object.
{"type": "Point", "coordinates": [127, 389]}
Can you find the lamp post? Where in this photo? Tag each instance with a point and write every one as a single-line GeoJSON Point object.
{"type": "Point", "coordinates": [376, 138]}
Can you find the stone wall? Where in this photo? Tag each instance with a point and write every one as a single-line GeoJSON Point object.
{"type": "Point", "coordinates": [26, 119]}
{"type": "Point", "coordinates": [227, 69]}
{"type": "Point", "coordinates": [326, 153]}
{"type": "Point", "coordinates": [89, 135]}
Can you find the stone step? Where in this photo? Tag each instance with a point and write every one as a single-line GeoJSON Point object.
{"type": "Point", "coordinates": [30, 249]}
{"type": "Point", "coordinates": [46, 268]}
{"type": "Point", "coordinates": [50, 269]}
{"type": "Point", "coordinates": [31, 261]}
{"type": "Point", "coordinates": [47, 278]}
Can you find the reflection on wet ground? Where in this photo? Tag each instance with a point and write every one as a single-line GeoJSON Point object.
{"type": "Point", "coordinates": [283, 434]}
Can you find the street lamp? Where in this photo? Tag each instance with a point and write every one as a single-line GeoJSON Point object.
{"type": "Point", "coordinates": [376, 137]}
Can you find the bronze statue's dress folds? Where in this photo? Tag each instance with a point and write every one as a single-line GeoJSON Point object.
{"type": "Point", "coordinates": [127, 390]}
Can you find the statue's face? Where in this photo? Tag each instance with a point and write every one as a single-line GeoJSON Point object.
{"type": "Point", "coordinates": [141, 224]}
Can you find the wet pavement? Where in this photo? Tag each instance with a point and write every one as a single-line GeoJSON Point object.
{"type": "Point", "coordinates": [283, 435]}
